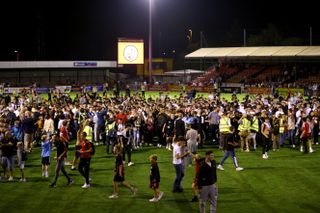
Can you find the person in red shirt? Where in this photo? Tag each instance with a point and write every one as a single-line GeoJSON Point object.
{"type": "Point", "coordinates": [198, 160]}
{"type": "Point", "coordinates": [64, 137]}
{"type": "Point", "coordinates": [85, 158]}
{"type": "Point", "coordinates": [305, 134]}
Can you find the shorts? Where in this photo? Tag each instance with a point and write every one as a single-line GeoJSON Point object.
{"type": "Point", "coordinates": [45, 160]}
{"type": "Point", "coordinates": [118, 178]}
{"type": "Point", "coordinates": [154, 184]}
{"type": "Point", "coordinates": [8, 162]}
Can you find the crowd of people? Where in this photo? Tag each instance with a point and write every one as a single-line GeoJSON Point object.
{"type": "Point", "coordinates": [124, 123]}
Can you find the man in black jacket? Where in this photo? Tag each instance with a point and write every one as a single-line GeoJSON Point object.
{"type": "Point", "coordinates": [207, 178]}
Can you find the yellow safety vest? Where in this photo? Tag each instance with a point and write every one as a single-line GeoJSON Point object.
{"type": "Point", "coordinates": [255, 124]}
{"type": "Point", "coordinates": [88, 130]}
{"type": "Point", "coordinates": [245, 125]}
{"type": "Point", "coordinates": [224, 125]}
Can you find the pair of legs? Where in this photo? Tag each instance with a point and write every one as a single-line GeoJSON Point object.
{"type": "Point", "coordinates": [60, 167]}
{"type": "Point", "coordinates": [84, 167]}
{"type": "Point", "coordinates": [179, 176]}
{"type": "Point", "coordinates": [209, 193]}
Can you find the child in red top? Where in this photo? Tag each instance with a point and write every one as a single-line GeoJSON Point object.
{"type": "Point", "coordinates": [85, 157]}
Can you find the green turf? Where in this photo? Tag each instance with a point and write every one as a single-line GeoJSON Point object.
{"type": "Point", "coordinates": [287, 182]}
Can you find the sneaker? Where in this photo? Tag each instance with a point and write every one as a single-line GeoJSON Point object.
{"type": "Point", "coordinates": [264, 156]}
{"type": "Point", "coordinates": [239, 169]}
{"type": "Point", "coordinates": [73, 168]}
{"type": "Point", "coordinates": [160, 195]}
{"type": "Point", "coordinates": [130, 163]}
{"type": "Point", "coordinates": [134, 191]}
{"type": "Point", "coordinates": [293, 146]}
{"type": "Point", "coordinates": [153, 200]}
{"type": "Point", "coordinates": [67, 163]}
{"type": "Point", "coordinates": [311, 150]}
{"type": "Point", "coordinates": [301, 149]}
{"type": "Point", "coordinates": [247, 150]}
{"type": "Point", "coordinates": [220, 167]}
{"type": "Point", "coordinates": [52, 185]}
{"type": "Point", "coordinates": [10, 178]}
{"type": "Point", "coordinates": [85, 186]}
{"type": "Point", "coordinates": [70, 182]}
{"type": "Point", "coordinates": [46, 175]}
{"type": "Point", "coordinates": [113, 196]}
{"type": "Point", "coordinates": [195, 199]}
{"type": "Point", "coordinates": [22, 180]}
{"type": "Point", "coordinates": [43, 174]}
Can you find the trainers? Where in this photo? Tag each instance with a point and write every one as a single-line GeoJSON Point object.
{"type": "Point", "coordinates": [130, 163]}
{"type": "Point", "coordinates": [70, 182]}
{"type": "Point", "coordinates": [293, 146]}
{"type": "Point", "coordinates": [10, 178]}
{"type": "Point", "coordinates": [73, 168]}
{"type": "Point", "coordinates": [311, 150]}
{"type": "Point", "coordinates": [52, 185]}
{"type": "Point", "coordinates": [160, 195]}
{"type": "Point", "coordinates": [85, 186]}
{"type": "Point", "coordinates": [239, 169]}
{"type": "Point", "coordinates": [113, 196]}
{"type": "Point", "coordinates": [220, 167]}
{"type": "Point", "coordinates": [22, 180]}
{"type": "Point", "coordinates": [134, 191]}
{"type": "Point", "coordinates": [195, 199]}
{"type": "Point", "coordinates": [264, 156]}
{"type": "Point", "coordinates": [153, 200]}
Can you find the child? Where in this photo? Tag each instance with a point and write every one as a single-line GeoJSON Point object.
{"type": "Point", "coordinates": [198, 160]}
{"type": "Point", "coordinates": [155, 179]}
{"type": "Point", "coordinates": [119, 175]}
{"type": "Point", "coordinates": [21, 160]}
{"type": "Point", "coordinates": [45, 155]}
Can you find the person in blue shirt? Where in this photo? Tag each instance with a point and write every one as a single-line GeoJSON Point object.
{"type": "Point", "coordinates": [45, 155]}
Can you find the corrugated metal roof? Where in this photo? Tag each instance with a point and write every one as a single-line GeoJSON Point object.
{"type": "Point", "coordinates": [272, 51]}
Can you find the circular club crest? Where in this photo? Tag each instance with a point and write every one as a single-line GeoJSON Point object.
{"type": "Point", "coordinates": [130, 53]}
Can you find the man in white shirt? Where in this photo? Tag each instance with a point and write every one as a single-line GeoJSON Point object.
{"type": "Point", "coordinates": [177, 163]}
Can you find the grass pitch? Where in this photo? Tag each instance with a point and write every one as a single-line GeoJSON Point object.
{"type": "Point", "coordinates": [287, 182]}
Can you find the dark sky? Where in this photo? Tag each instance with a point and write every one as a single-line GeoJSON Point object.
{"type": "Point", "coordinates": [88, 29]}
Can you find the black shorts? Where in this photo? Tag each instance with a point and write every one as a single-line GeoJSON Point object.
{"type": "Point", "coordinates": [45, 160]}
{"type": "Point", "coordinates": [118, 178]}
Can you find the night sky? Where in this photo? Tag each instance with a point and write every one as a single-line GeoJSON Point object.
{"type": "Point", "coordinates": [88, 29]}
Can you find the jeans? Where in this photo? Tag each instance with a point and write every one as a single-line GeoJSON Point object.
{"type": "Point", "coordinates": [60, 167]}
{"type": "Point", "coordinates": [179, 176]}
{"type": "Point", "coordinates": [226, 155]}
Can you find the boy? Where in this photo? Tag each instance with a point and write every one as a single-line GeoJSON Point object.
{"type": "Point", "coordinates": [119, 175]}
{"type": "Point", "coordinates": [155, 178]}
{"type": "Point", "coordinates": [230, 144]}
{"type": "Point", "coordinates": [45, 154]}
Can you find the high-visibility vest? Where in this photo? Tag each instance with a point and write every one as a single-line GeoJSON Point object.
{"type": "Point", "coordinates": [224, 124]}
{"type": "Point", "coordinates": [281, 123]}
{"type": "Point", "coordinates": [245, 125]}
{"type": "Point", "coordinates": [255, 124]}
{"type": "Point", "coordinates": [88, 130]}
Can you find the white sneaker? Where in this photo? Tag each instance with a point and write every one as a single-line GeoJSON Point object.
{"type": "Point", "coordinates": [153, 200]}
{"type": "Point", "coordinates": [264, 156]}
{"type": "Point", "coordinates": [85, 186]}
{"type": "Point", "coordinates": [293, 146]}
{"type": "Point", "coordinates": [220, 167]}
{"type": "Point", "coordinates": [22, 180]}
{"type": "Point", "coordinates": [311, 150]}
{"type": "Point", "coordinates": [67, 163]}
{"type": "Point", "coordinates": [10, 178]}
{"type": "Point", "coordinates": [130, 163]}
{"type": "Point", "coordinates": [46, 175]}
{"type": "Point", "coordinates": [43, 174]}
{"type": "Point", "coordinates": [239, 169]}
{"type": "Point", "coordinates": [160, 195]}
{"type": "Point", "coordinates": [113, 196]}
{"type": "Point", "coordinates": [134, 191]}
{"type": "Point", "coordinates": [301, 149]}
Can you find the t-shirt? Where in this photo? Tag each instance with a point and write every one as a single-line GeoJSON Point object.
{"type": "Point", "coordinates": [119, 163]}
{"type": "Point", "coordinates": [85, 145]}
{"type": "Point", "coordinates": [176, 151]}
{"type": "Point", "coordinates": [45, 149]}
{"type": "Point", "coordinates": [61, 147]}
{"type": "Point", "coordinates": [154, 173]}
{"type": "Point", "coordinates": [64, 135]}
